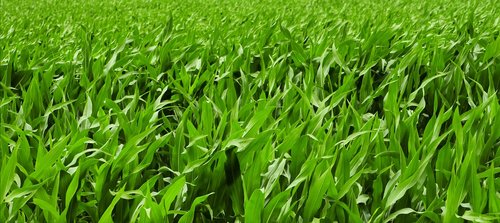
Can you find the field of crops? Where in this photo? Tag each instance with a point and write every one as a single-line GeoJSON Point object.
{"type": "Point", "coordinates": [250, 111]}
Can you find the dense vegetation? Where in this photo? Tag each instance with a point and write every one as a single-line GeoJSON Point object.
{"type": "Point", "coordinates": [254, 111]}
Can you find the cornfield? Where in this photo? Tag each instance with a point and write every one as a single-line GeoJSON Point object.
{"type": "Point", "coordinates": [250, 111]}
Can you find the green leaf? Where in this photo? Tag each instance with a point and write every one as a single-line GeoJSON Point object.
{"type": "Point", "coordinates": [254, 206]}
{"type": "Point", "coordinates": [317, 192]}
{"type": "Point", "coordinates": [8, 172]}
{"type": "Point", "coordinates": [189, 216]}
{"type": "Point", "coordinates": [173, 190]}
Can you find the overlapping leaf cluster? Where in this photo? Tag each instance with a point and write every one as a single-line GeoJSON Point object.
{"type": "Point", "coordinates": [255, 111]}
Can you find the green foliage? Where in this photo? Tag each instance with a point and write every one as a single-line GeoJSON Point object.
{"type": "Point", "coordinates": [249, 111]}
